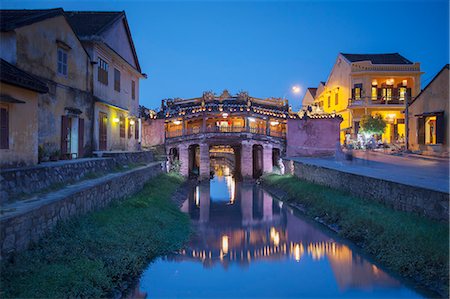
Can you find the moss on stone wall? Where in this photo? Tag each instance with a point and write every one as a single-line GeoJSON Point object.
{"type": "Point", "coordinates": [411, 245]}
{"type": "Point", "coordinates": [94, 255]}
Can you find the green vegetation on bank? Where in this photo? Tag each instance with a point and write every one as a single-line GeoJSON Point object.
{"type": "Point", "coordinates": [408, 244]}
{"type": "Point", "coordinates": [93, 254]}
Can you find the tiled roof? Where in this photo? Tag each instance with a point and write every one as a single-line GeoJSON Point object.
{"type": "Point", "coordinates": [91, 23]}
{"type": "Point", "coordinates": [12, 19]}
{"type": "Point", "coordinates": [12, 75]}
{"type": "Point", "coordinates": [312, 91]}
{"type": "Point", "coordinates": [388, 58]}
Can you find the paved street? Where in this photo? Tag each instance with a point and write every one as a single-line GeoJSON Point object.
{"type": "Point", "coordinates": [426, 173]}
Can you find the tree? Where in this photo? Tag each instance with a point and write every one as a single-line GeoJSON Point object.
{"type": "Point", "coordinates": [372, 125]}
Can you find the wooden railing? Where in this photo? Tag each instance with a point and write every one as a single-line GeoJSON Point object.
{"type": "Point", "coordinates": [369, 101]}
{"type": "Point", "coordinates": [253, 130]}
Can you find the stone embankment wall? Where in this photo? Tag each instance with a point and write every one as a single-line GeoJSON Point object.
{"type": "Point", "coordinates": [17, 182]}
{"type": "Point", "coordinates": [28, 223]}
{"type": "Point", "coordinates": [426, 202]}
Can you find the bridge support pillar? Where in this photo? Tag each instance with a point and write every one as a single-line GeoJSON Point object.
{"type": "Point", "coordinates": [247, 159]}
{"type": "Point", "coordinates": [184, 160]}
{"type": "Point", "coordinates": [267, 158]}
{"type": "Point", "coordinates": [205, 168]}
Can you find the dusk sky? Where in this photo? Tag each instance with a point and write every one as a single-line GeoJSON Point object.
{"type": "Point", "coordinates": [265, 48]}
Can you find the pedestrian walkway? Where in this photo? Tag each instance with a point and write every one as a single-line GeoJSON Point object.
{"type": "Point", "coordinates": [425, 173]}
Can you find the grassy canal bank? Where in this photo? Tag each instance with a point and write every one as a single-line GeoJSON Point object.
{"type": "Point", "coordinates": [408, 244]}
{"type": "Point", "coordinates": [95, 254]}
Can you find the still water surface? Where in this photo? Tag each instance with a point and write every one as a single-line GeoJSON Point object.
{"type": "Point", "coordinates": [247, 244]}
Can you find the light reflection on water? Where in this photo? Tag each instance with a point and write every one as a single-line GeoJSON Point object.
{"type": "Point", "coordinates": [249, 245]}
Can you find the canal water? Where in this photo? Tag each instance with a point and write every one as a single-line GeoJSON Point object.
{"type": "Point", "coordinates": [247, 244]}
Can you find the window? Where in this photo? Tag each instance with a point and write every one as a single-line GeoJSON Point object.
{"type": "Point", "coordinates": [336, 98]}
{"type": "Point", "coordinates": [4, 128]}
{"type": "Point", "coordinates": [357, 91]}
{"type": "Point", "coordinates": [386, 93]}
{"type": "Point", "coordinates": [133, 90]}
{"type": "Point", "coordinates": [374, 93]}
{"type": "Point", "coordinates": [116, 80]}
{"type": "Point", "coordinates": [329, 101]}
{"type": "Point", "coordinates": [102, 75]}
{"type": "Point", "coordinates": [430, 130]}
{"type": "Point", "coordinates": [402, 93]}
{"type": "Point", "coordinates": [122, 127]}
{"type": "Point", "coordinates": [62, 62]}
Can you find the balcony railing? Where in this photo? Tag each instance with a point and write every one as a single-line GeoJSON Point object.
{"type": "Point", "coordinates": [253, 130]}
{"type": "Point", "coordinates": [369, 101]}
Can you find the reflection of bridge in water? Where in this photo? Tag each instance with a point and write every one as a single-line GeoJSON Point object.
{"type": "Point", "coordinates": [245, 225]}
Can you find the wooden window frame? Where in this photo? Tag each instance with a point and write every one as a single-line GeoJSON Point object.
{"type": "Point", "coordinates": [102, 71]}
{"type": "Point", "coordinates": [122, 127]}
{"type": "Point", "coordinates": [116, 80]}
{"type": "Point", "coordinates": [62, 66]}
{"type": "Point", "coordinates": [4, 127]}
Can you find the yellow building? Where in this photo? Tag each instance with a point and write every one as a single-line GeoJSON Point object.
{"type": "Point", "coordinates": [43, 44]}
{"type": "Point", "coordinates": [107, 38]}
{"type": "Point", "coordinates": [361, 84]}
{"type": "Point", "coordinates": [428, 117]}
{"type": "Point", "coordinates": [19, 92]}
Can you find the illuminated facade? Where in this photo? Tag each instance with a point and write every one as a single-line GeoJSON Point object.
{"type": "Point", "coordinates": [252, 130]}
{"type": "Point", "coordinates": [369, 84]}
{"type": "Point", "coordinates": [428, 117]}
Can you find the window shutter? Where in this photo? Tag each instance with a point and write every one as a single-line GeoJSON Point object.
{"type": "Point", "coordinates": [379, 93]}
{"type": "Point", "coordinates": [80, 137]}
{"type": "Point", "coordinates": [421, 130]}
{"type": "Point", "coordinates": [408, 95]}
{"type": "Point", "coordinates": [4, 128]}
{"type": "Point", "coordinates": [353, 93]}
{"type": "Point", "coordinates": [64, 134]}
{"type": "Point", "coordinates": [136, 130]}
{"type": "Point", "coordinates": [440, 129]}
{"type": "Point", "coordinates": [395, 94]}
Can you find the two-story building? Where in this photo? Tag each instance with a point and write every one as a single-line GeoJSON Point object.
{"type": "Point", "coordinates": [369, 84]}
{"type": "Point", "coordinates": [43, 44]}
{"type": "Point", "coordinates": [116, 73]}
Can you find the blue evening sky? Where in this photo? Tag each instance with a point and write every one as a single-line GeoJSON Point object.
{"type": "Point", "coordinates": [266, 47]}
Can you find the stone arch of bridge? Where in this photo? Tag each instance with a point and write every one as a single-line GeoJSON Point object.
{"type": "Point", "coordinates": [251, 157]}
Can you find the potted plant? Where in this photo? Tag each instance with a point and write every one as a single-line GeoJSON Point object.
{"type": "Point", "coordinates": [54, 156]}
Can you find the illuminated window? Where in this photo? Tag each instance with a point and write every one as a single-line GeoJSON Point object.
{"type": "Point", "coordinates": [357, 90]}
{"type": "Point", "coordinates": [430, 130]}
{"type": "Point", "coordinates": [386, 93]}
{"type": "Point", "coordinates": [402, 93]}
{"type": "Point", "coordinates": [374, 92]}
{"type": "Point", "coordinates": [329, 101]}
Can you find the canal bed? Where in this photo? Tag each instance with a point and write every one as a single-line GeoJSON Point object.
{"type": "Point", "coordinates": [248, 244]}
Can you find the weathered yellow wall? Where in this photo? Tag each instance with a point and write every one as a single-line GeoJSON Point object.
{"type": "Point", "coordinates": [37, 54]}
{"type": "Point", "coordinates": [23, 127]}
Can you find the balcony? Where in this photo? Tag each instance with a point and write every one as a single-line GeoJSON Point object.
{"type": "Point", "coordinates": [226, 130]}
{"type": "Point", "coordinates": [379, 102]}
